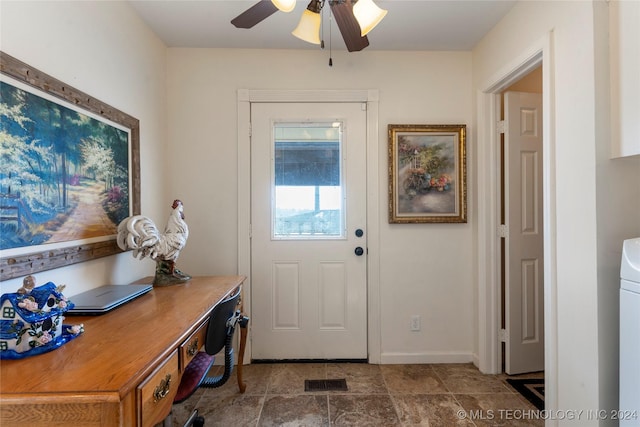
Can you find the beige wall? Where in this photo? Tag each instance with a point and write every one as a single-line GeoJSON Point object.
{"type": "Point", "coordinates": [103, 49]}
{"type": "Point", "coordinates": [531, 83]}
{"type": "Point", "coordinates": [425, 269]}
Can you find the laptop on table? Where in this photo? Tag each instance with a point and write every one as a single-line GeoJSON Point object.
{"type": "Point", "coordinates": [105, 298]}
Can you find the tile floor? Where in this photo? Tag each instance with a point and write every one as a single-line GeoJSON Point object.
{"type": "Point", "coordinates": [378, 396]}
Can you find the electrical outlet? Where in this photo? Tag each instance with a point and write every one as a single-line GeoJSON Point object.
{"type": "Point", "coordinates": [415, 322]}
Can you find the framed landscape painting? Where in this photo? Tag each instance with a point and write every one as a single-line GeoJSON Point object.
{"type": "Point", "coordinates": [69, 172]}
{"type": "Point", "coordinates": [427, 173]}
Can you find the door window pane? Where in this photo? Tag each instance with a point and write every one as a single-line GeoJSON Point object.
{"type": "Point", "coordinates": [308, 195]}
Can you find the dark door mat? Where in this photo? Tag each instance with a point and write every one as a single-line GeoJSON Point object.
{"type": "Point", "coordinates": [325, 385]}
{"type": "Point", "coordinates": [531, 388]}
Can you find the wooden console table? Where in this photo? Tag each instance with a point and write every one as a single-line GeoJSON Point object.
{"type": "Point", "coordinates": [115, 373]}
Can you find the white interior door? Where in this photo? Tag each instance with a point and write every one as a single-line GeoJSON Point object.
{"type": "Point", "coordinates": [308, 218]}
{"type": "Point", "coordinates": [524, 243]}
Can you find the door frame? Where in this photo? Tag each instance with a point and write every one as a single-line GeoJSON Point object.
{"type": "Point", "coordinates": [245, 97]}
{"type": "Point", "coordinates": [488, 199]}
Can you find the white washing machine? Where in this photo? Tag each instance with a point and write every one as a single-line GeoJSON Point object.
{"type": "Point", "coordinates": [630, 334]}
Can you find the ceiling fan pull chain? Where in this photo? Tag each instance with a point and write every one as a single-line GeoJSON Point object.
{"type": "Point", "coordinates": [322, 26]}
{"type": "Point", "coordinates": [330, 46]}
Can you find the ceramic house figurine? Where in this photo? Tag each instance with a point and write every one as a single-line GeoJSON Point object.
{"type": "Point", "coordinates": [31, 320]}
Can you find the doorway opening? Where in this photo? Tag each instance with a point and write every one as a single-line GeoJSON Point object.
{"type": "Point", "coordinates": [488, 200]}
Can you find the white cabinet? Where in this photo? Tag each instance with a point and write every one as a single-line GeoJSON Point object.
{"type": "Point", "coordinates": [624, 51]}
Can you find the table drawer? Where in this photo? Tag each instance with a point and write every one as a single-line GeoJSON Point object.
{"type": "Point", "coordinates": [190, 347]}
{"type": "Point", "coordinates": [155, 394]}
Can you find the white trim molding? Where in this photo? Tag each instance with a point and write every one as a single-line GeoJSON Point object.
{"type": "Point", "coordinates": [488, 249]}
{"type": "Point", "coordinates": [392, 358]}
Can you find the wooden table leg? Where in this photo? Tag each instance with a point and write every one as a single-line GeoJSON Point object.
{"type": "Point", "coordinates": [243, 342]}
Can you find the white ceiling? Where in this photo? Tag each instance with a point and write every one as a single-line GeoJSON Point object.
{"type": "Point", "coordinates": [409, 24]}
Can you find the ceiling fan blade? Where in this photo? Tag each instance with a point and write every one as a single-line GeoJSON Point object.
{"type": "Point", "coordinates": [349, 27]}
{"type": "Point", "coordinates": [255, 14]}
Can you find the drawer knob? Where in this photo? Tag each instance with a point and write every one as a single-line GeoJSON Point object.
{"type": "Point", "coordinates": [193, 348]}
{"type": "Point", "coordinates": [162, 390]}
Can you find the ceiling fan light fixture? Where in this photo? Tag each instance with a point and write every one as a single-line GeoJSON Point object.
{"type": "Point", "coordinates": [284, 5]}
{"type": "Point", "coordinates": [308, 28]}
{"type": "Point", "coordinates": [368, 15]}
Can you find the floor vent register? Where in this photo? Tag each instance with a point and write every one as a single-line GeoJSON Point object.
{"type": "Point", "coordinates": [325, 385]}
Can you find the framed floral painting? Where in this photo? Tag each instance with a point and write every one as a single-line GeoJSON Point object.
{"type": "Point", "coordinates": [427, 174]}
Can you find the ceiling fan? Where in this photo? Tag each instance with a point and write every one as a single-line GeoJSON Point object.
{"type": "Point", "coordinates": [355, 18]}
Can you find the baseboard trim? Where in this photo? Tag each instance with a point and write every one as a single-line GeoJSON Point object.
{"type": "Point", "coordinates": [424, 358]}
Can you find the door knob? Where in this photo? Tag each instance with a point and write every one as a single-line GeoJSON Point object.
{"type": "Point", "coordinates": [359, 251]}
{"type": "Point", "coordinates": [359, 232]}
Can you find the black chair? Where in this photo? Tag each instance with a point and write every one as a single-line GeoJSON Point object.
{"type": "Point", "coordinates": [220, 330]}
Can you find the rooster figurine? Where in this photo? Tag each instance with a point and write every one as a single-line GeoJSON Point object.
{"type": "Point", "coordinates": [140, 234]}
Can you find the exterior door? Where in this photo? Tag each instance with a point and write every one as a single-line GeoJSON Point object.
{"type": "Point", "coordinates": [308, 231]}
{"type": "Point", "coordinates": [524, 242]}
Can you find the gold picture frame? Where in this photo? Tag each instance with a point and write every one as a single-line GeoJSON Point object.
{"type": "Point", "coordinates": [427, 173]}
